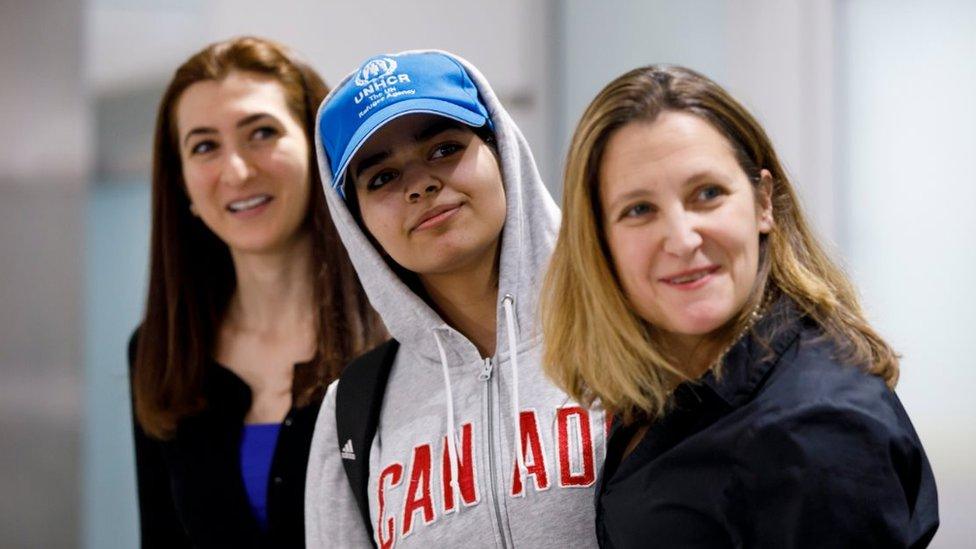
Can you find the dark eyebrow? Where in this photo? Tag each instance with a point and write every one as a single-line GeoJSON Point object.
{"type": "Point", "coordinates": [627, 196]}
{"type": "Point", "coordinates": [436, 127]}
{"type": "Point", "coordinates": [249, 119]}
{"type": "Point", "coordinates": [695, 178]}
{"type": "Point", "coordinates": [197, 131]}
{"type": "Point", "coordinates": [370, 161]}
{"type": "Point", "coordinates": [704, 175]}
{"type": "Point", "coordinates": [431, 130]}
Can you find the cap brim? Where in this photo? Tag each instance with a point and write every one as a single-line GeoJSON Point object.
{"type": "Point", "coordinates": [410, 106]}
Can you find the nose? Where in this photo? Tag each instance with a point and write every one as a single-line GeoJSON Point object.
{"type": "Point", "coordinates": [419, 183]}
{"type": "Point", "coordinates": [236, 169]}
{"type": "Point", "coordinates": [682, 237]}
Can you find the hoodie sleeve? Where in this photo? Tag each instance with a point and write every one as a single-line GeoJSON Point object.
{"type": "Point", "coordinates": [825, 475]}
{"type": "Point", "coordinates": [331, 515]}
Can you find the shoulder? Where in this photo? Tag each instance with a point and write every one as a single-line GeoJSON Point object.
{"type": "Point", "coordinates": [825, 434]}
{"type": "Point", "coordinates": [367, 373]}
{"type": "Point", "coordinates": [814, 404]}
{"type": "Point", "coordinates": [830, 419]}
{"type": "Point", "coordinates": [834, 466]}
{"type": "Point", "coordinates": [324, 432]}
{"type": "Point", "coordinates": [384, 352]}
{"type": "Point", "coordinates": [813, 378]}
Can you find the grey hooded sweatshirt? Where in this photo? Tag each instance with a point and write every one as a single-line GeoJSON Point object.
{"type": "Point", "coordinates": [423, 491]}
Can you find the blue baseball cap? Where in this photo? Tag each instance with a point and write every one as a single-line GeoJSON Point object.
{"type": "Point", "coordinates": [389, 86]}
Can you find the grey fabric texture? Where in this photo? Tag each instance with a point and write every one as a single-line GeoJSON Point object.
{"type": "Point", "coordinates": [551, 505]}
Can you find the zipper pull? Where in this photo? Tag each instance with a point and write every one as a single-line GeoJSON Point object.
{"type": "Point", "coordinates": [485, 374]}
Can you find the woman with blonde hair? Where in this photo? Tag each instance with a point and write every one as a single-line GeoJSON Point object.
{"type": "Point", "coordinates": [689, 298]}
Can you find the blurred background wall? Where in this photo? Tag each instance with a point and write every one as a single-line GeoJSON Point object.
{"type": "Point", "coordinates": [870, 104]}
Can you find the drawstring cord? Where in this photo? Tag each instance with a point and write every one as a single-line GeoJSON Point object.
{"type": "Point", "coordinates": [513, 354]}
{"type": "Point", "coordinates": [451, 428]}
{"type": "Point", "coordinates": [516, 416]}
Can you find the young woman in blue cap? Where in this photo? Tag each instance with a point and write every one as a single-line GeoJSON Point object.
{"type": "Point", "coordinates": [437, 197]}
{"type": "Point", "coordinates": [253, 305]}
{"type": "Point", "coordinates": [689, 297]}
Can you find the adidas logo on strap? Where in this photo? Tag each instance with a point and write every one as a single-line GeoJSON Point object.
{"type": "Point", "coordinates": [347, 451]}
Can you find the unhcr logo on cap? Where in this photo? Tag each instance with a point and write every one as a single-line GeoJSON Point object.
{"type": "Point", "coordinates": [376, 68]}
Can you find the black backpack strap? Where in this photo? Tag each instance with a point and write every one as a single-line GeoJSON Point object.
{"type": "Point", "coordinates": [359, 397]}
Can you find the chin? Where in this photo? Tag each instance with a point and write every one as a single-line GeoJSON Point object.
{"type": "Point", "coordinates": [446, 257]}
{"type": "Point", "coordinates": [694, 326]}
{"type": "Point", "coordinates": [255, 244]}
{"type": "Point", "coordinates": [697, 320]}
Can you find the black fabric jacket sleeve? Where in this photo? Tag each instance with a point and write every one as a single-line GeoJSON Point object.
{"type": "Point", "coordinates": [159, 525]}
{"type": "Point", "coordinates": [829, 476]}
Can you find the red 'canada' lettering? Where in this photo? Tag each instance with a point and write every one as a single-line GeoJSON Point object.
{"type": "Point", "coordinates": [466, 482]}
{"type": "Point", "coordinates": [532, 454]}
{"type": "Point", "coordinates": [418, 494]}
{"type": "Point", "coordinates": [581, 442]}
{"type": "Point", "coordinates": [395, 472]}
{"type": "Point", "coordinates": [574, 454]}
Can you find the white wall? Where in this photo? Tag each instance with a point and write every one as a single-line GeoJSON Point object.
{"type": "Point", "coordinates": [775, 56]}
{"type": "Point", "coordinates": [43, 162]}
{"type": "Point", "coordinates": [909, 99]}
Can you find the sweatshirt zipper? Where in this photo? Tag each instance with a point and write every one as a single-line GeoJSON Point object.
{"type": "Point", "coordinates": [485, 376]}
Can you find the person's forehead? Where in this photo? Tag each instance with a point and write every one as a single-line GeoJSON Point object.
{"type": "Point", "coordinates": [673, 139]}
{"type": "Point", "coordinates": [404, 131]}
{"type": "Point", "coordinates": [237, 94]}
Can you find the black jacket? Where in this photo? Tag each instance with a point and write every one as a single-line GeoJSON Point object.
{"type": "Point", "coordinates": [191, 493]}
{"type": "Point", "coordinates": [790, 448]}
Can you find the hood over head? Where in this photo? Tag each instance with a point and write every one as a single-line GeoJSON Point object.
{"type": "Point", "coordinates": [429, 81]}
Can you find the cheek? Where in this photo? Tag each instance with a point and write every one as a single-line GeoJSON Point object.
{"type": "Point", "coordinates": [286, 165]}
{"type": "Point", "coordinates": [629, 250]}
{"type": "Point", "coordinates": [199, 181]}
{"type": "Point", "coordinates": [485, 170]}
{"type": "Point", "coordinates": [499, 205]}
{"type": "Point", "coordinates": [381, 218]}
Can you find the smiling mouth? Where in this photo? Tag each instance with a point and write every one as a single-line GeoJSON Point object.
{"type": "Point", "coordinates": [249, 203]}
{"type": "Point", "coordinates": [691, 276]}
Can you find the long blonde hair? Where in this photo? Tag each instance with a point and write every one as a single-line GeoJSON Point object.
{"type": "Point", "coordinates": [596, 346]}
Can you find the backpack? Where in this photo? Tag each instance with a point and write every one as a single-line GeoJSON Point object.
{"type": "Point", "coordinates": [359, 397]}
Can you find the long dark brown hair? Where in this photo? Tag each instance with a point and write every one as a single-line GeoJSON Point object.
{"type": "Point", "coordinates": [191, 276]}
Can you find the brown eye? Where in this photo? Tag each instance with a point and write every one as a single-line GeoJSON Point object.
{"type": "Point", "coordinates": [381, 179]}
{"type": "Point", "coordinates": [444, 150]}
{"type": "Point", "coordinates": [708, 193]}
{"type": "Point", "coordinates": [203, 147]}
{"type": "Point", "coordinates": [637, 210]}
{"type": "Point", "coordinates": [263, 133]}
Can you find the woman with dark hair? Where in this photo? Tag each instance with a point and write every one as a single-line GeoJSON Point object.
{"type": "Point", "coordinates": [687, 295]}
{"type": "Point", "coordinates": [253, 305]}
{"type": "Point", "coordinates": [435, 192]}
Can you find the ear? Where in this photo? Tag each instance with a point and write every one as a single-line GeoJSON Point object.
{"type": "Point", "coordinates": [764, 202]}
{"type": "Point", "coordinates": [193, 210]}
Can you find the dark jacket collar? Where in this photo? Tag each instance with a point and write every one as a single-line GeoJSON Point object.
{"type": "Point", "coordinates": [750, 360]}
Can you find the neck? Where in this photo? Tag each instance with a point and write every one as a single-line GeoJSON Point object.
{"type": "Point", "coordinates": [274, 292]}
{"type": "Point", "coordinates": [696, 354]}
{"type": "Point", "coordinates": [692, 353]}
{"type": "Point", "coordinates": [467, 299]}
